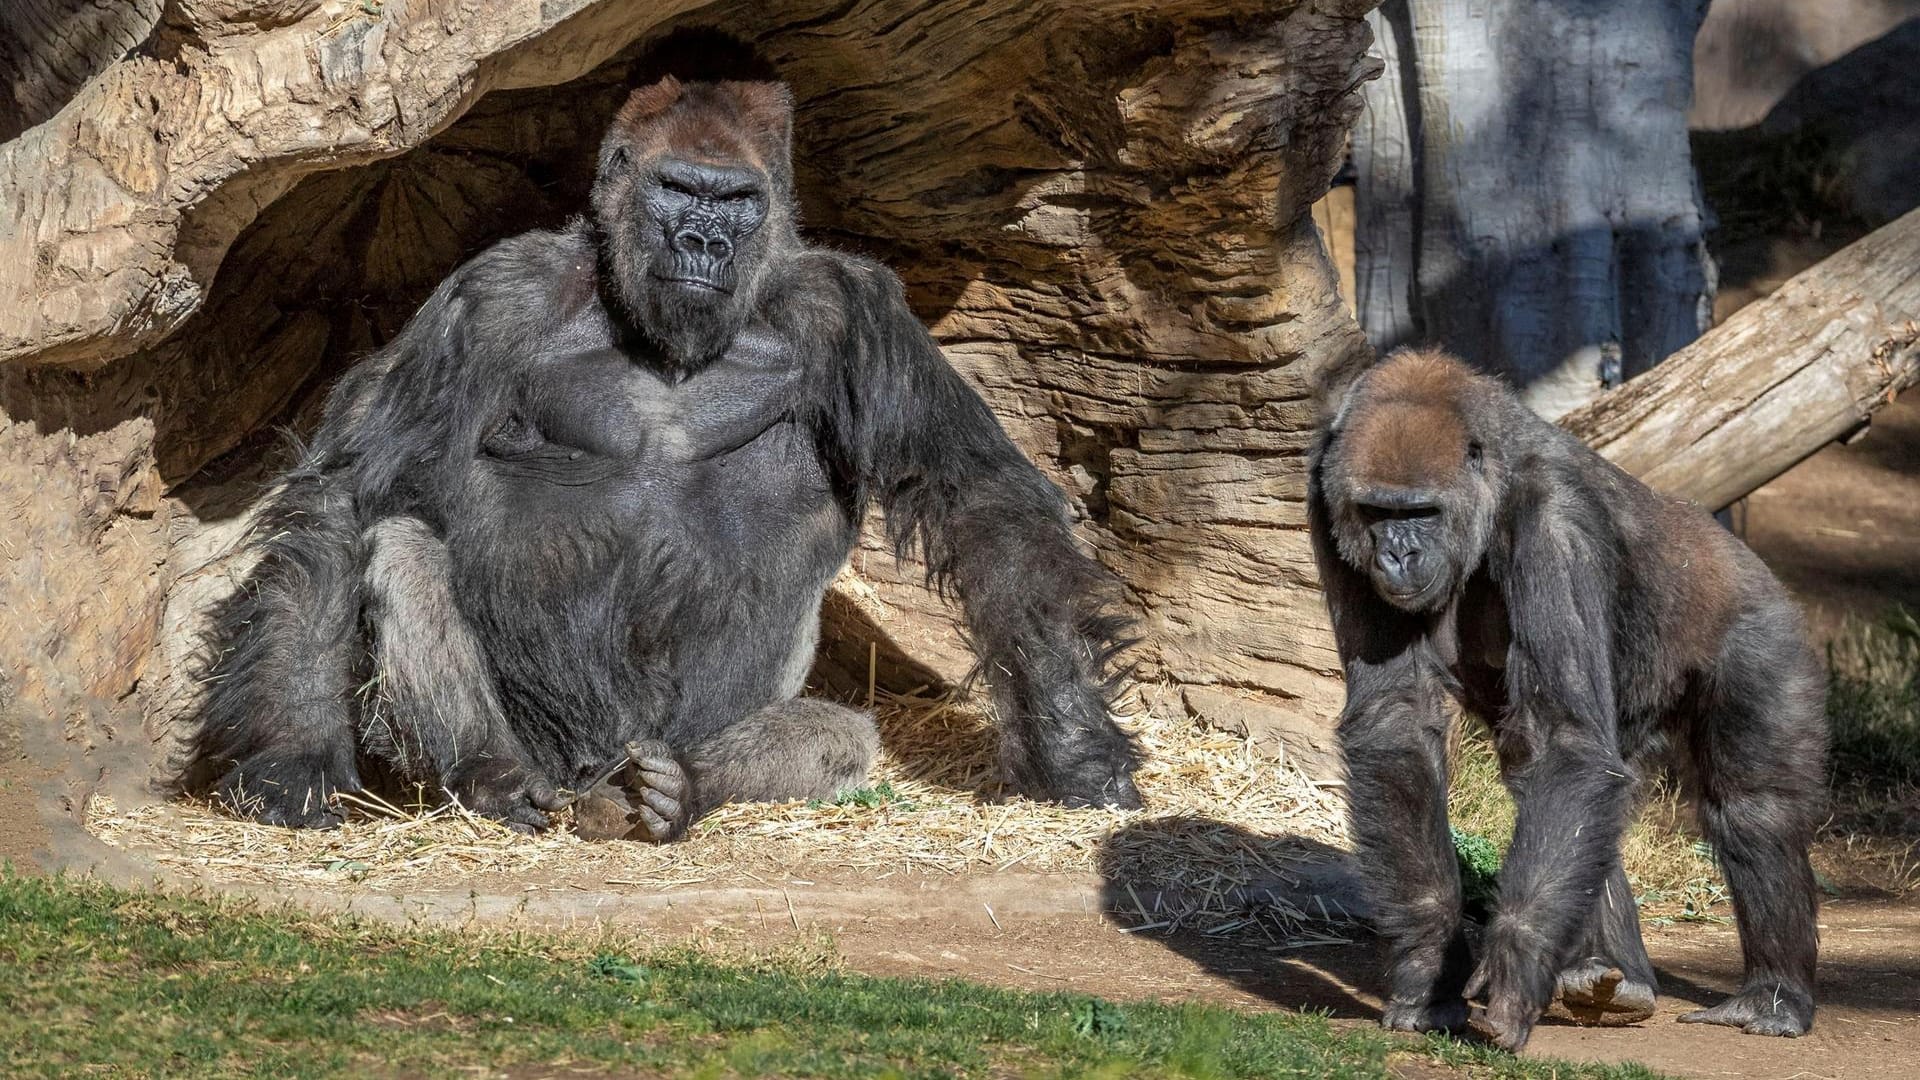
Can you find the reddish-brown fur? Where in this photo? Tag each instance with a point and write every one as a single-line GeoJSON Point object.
{"type": "Point", "coordinates": [725, 123]}
{"type": "Point", "coordinates": [1410, 434]}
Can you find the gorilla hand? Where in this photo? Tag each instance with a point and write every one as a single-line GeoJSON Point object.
{"type": "Point", "coordinates": [1517, 988]}
{"type": "Point", "coordinates": [648, 796]}
{"type": "Point", "coordinates": [1083, 764]}
{"type": "Point", "coordinates": [294, 790]}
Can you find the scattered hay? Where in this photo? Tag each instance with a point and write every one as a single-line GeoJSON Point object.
{"type": "Point", "coordinates": [1219, 817]}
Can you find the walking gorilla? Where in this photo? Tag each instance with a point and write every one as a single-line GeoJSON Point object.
{"type": "Point", "coordinates": [1469, 547]}
{"type": "Point", "coordinates": [584, 508]}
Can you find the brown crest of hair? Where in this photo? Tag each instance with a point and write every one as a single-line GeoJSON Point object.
{"type": "Point", "coordinates": [1407, 428]}
{"type": "Point", "coordinates": [746, 123]}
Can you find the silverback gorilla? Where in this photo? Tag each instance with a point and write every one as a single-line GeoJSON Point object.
{"type": "Point", "coordinates": [584, 508]}
{"type": "Point", "coordinates": [1470, 548]}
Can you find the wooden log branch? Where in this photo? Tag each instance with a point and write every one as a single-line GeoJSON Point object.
{"type": "Point", "coordinates": [1782, 378]}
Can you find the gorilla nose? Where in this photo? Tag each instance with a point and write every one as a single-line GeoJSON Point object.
{"type": "Point", "coordinates": [712, 245]}
{"type": "Point", "coordinates": [1400, 566]}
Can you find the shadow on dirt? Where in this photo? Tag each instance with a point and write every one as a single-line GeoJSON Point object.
{"type": "Point", "coordinates": [1269, 939]}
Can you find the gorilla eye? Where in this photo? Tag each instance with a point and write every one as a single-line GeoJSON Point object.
{"type": "Point", "coordinates": [1474, 454]}
{"type": "Point", "coordinates": [1373, 513]}
{"type": "Point", "coordinates": [676, 187]}
{"type": "Point", "coordinates": [513, 435]}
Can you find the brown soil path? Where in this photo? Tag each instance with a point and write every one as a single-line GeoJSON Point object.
{"type": "Point", "coordinates": [1868, 1026]}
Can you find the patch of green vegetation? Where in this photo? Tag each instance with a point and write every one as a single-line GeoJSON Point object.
{"type": "Point", "coordinates": [869, 798]}
{"type": "Point", "coordinates": [1479, 867]}
{"type": "Point", "coordinates": [1873, 703]}
{"type": "Point", "coordinates": [101, 980]}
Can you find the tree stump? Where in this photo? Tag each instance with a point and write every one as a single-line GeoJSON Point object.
{"type": "Point", "coordinates": [1101, 207]}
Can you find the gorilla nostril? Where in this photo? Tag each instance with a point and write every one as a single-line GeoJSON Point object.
{"type": "Point", "coordinates": [694, 242]}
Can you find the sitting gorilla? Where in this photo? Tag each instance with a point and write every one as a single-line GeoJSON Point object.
{"type": "Point", "coordinates": [577, 520]}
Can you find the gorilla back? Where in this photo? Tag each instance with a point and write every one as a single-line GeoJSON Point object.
{"type": "Point", "coordinates": [587, 502]}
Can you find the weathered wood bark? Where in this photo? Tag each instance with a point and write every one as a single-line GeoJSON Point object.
{"type": "Point", "coordinates": [1525, 194]}
{"type": "Point", "coordinates": [1100, 206]}
{"type": "Point", "coordinates": [1780, 379]}
{"type": "Point", "coordinates": [50, 48]}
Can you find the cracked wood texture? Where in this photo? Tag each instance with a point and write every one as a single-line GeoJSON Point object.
{"type": "Point", "coordinates": [1101, 207]}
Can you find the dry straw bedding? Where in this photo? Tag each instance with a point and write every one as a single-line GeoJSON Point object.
{"type": "Point", "coordinates": [936, 808]}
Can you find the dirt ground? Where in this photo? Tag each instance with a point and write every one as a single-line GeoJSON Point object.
{"type": "Point", "coordinates": [1868, 1026]}
{"type": "Point", "coordinates": [1842, 529]}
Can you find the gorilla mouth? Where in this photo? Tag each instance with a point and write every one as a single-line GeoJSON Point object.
{"type": "Point", "coordinates": [707, 274]}
{"type": "Point", "coordinates": [705, 283]}
{"type": "Point", "coordinates": [1408, 597]}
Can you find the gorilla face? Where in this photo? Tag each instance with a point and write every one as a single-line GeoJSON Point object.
{"type": "Point", "coordinates": [1410, 484]}
{"type": "Point", "coordinates": [706, 213]}
{"type": "Point", "coordinates": [693, 205]}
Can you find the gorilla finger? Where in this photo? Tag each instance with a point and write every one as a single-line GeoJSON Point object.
{"type": "Point", "coordinates": [547, 797]}
{"type": "Point", "coordinates": [661, 803]}
{"type": "Point", "coordinates": [659, 766]}
{"type": "Point", "coordinates": [673, 782]}
{"type": "Point", "coordinates": [658, 830]}
{"type": "Point", "coordinates": [1475, 985]}
{"type": "Point", "coordinates": [526, 815]}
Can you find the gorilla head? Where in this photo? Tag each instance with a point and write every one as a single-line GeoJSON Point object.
{"type": "Point", "coordinates": [1411, 480]}
{"type": "Point", "coordinates": [693, 206]}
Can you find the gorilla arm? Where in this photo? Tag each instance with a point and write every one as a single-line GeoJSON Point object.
{"type": "Point", "coordinates": [1393, 737]}
{"type": "Point", "coordinates": [1041, 615]}
{"type": "Point", "coordinates": [1573, 791]}
{"type": "Point", "coordinates": [289, 657]}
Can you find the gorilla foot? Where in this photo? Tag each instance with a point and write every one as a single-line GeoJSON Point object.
{"type": "Point", "coordinates": [295, 792]}
{"type": "Point", "coordinates": [1449, 1016]}
{"type": "Point", "coordinates": [648, 797]}
{"type": "Point", "coordinates": [1761, 1010]}
{"type": "Point", "coordinates": [508, 792]}
{"type": "Point", "coordinates": [1600, 995]}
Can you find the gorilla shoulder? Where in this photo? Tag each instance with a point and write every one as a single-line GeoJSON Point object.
{"type": "Point", "coordinates": [547, 275]}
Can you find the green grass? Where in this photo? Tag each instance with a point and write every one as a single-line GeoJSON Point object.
{"type": "Point", "coordinates": [1874, 705]}
{"type": "Point", "coordinates": [101, 981]}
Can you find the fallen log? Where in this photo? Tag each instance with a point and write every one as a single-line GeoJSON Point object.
{"type": "Point", "coordinates": [1777, 381]}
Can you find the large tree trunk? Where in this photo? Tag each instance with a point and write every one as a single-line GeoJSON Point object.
{"type": "Point", "coordinates": [1780, 379]}
{"type": "Point", "coordinates": [1101, 207]}
{"type": "Point", "coordinates": [1525, 194]}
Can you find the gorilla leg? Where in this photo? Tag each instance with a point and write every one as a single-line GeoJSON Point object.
{"type": "Point", "coordinates": [433, 717]}
{"type": "Point", "coordinates": [1759, 760]}
{"type": "Point", "coordinates": [276, 740]}
{"type": "Point", "coordinates": [1611, 980]}
{"type": "Point", "coordinates": [802, 748]}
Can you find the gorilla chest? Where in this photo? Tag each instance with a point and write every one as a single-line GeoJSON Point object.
{"type": "Point", "coordinates": [604, 449]}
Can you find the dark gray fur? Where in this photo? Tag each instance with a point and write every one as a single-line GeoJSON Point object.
{"type": "Point", "coordinates": [552, 530]}
{"type": "Point", "coordinates": [1599, 629]}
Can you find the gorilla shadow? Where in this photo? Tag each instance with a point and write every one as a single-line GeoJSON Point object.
{"type": "Point", "coordinates": [859, 661]}
{"type": "Point", "coordinates": [1150, 885]}
{"type": "Point", "coordinates": [1146, 884]}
